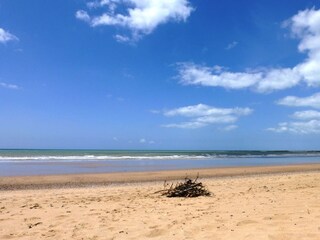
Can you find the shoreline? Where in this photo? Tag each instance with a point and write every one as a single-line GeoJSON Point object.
{"type": "Point", "coordinates": [104, 179]}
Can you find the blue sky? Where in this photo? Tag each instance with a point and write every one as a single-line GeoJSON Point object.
{"type": "Point", "coordinates": [160, 74]}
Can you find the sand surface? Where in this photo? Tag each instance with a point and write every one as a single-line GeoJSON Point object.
{"type": "Point", "coordinates": [272, 206]}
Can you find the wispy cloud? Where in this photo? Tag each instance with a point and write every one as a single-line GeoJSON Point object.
{"type": "Point", "coordinates": [306, 115]}
{"type": "Point", "coordinates": [111, 96]}
{"type": "Point", "coordinates": [229, 128]}
{"type": "Point", "coordinates": [307, 121]}
{"type": "Point", "coordinates": [303, 127]}
{"type": "Point", "coordinates": [122, 38]}
{"type": "Point", "coordinates": [145, 141]}
{"type": "Point", "coordinates": [9, 86]}
{"type": "Point", "coordinates": [304, 26]}
{"type": "Point", "coordinates": [5, 36]}
{"type": "Point", "coordinates": [96, 4]}
{"type": "Point", "coordinates": [139, 17]}
{"type": "Point", "coordinates": [83, 15]}
{"type": "Point", "coordinates": [293, 101]}
{"type": "Point", "coordinates": [202, 115]}
{"type": "Point", "coordinates": [260, 81]}
{"type": "Point", "coordinates": [232, 45]}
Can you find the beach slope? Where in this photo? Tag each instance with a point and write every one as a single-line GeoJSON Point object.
{"type": "Point", "coordinates": [270, 206]}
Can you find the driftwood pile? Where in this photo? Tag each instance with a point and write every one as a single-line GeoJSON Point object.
{"type": "Point", "coordinates": [188, 188]}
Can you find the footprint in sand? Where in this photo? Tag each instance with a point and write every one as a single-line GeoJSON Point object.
{"type": "Point", "coordinates": [5, 219]}
{"type": "Point", "coordinates": [34, 224]}
{"type": "Point", "coordinates": [155, 233]}
{"type": "Point", "coordinates": [246, 222]}
{"type": "Point", "coordinates": [61, 216]}
{"type": "Point", "coordinates": [35, 206]}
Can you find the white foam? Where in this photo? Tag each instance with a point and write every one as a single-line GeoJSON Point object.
{"type": "Point", "coordinates": [95, 158]}
{"type": "Point", "coordinates": [58, 158]}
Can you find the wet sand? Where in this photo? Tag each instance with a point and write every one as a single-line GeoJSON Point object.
{"type": "Point", "coordinates": [103, 179]}
{"type": "Point", "coordinates": [247, 203]}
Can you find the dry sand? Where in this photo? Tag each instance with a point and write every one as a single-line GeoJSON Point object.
{"type": "Point", "coordinates": [270, 206]}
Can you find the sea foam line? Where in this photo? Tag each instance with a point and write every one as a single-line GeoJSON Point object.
{"type": "Point", "coordinates": [94, 158]}
{"type": "Point", "coordinates": [52, 158]}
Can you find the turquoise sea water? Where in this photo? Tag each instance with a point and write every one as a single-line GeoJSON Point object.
{"type": "Point", "coordinates": [42, 162]}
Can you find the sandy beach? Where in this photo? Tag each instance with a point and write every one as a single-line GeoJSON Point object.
{"type": "Point", "coordinates": [247, 203]}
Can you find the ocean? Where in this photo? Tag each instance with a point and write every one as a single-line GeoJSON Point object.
{"type": "Point", "coordinates": [47, 162]}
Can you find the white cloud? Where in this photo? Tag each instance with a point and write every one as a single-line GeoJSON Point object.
{"type": "Point", "coordinates": [205, 110]}
{"type": "Point", "coordinates": [202, 115]}
{"type": "Point", "coordinates": [261, 81]}
{"type": "Point", "coordinates": [306, 127]}
{"type": "Point", "coordinates": [145, 141]}
{"type": "Point", "coordinates": [83, 15]}
{"type": "Point", "coordinates": [9, 86]}
{"type": "Point", "coordinates": [191, 74]}
{"type": "Point", "coordinates": [122, 38]}
{"type": "Point", "coordinates": [305, 26]}
{"type": "Point", "coordinates": [278, 79]}
{"type": "Point", "coordinates": [309, 120]}
{"type": "Point", "coordinates": [306, 115]}
{"type": "Point", "coordinates": [229, 128]}
{"type": "Point", "coordinates": [141, 17]}
{"type": "Point", "coordinates": [101, 3]}
{"type": "Point", "coordinates": [189, 125]}
{"type": "Point", "coordinates": [5, 36]}
{"type": "Point", "coordinates": [232, 45]}
{"type": "Point", "coordinates": [292, 101]}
